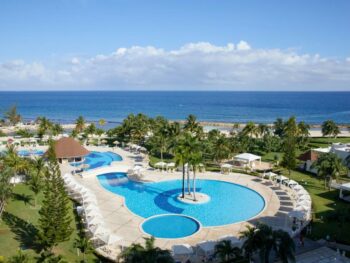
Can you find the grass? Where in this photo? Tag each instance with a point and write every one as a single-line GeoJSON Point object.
{"type": "Point", "coordinates": [19, 224]}
{"type": "Point", "coordinates": [320, 142]}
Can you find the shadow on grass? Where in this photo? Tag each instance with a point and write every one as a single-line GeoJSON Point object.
{"type": "Point", "coordinates": [26, 199]}
{"type": "Point", "coordinates": [25, 232]}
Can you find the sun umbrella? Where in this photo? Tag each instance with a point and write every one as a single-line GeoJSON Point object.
{"type": "Point", "coordinates": [115, 142]}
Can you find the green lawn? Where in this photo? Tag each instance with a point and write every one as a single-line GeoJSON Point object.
{"type": "Point", "coordinates": [18, 227]}
{"type": "Point", "coordinates": [319, 142]}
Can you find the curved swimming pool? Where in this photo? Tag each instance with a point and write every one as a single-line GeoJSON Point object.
{"type": "Point", "coordinates": [229, 203]}
{"type": "Point", "coordinates": [98, 159]}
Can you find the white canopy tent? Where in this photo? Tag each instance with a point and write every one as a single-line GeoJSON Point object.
{"type": "Point", "coordinates": [342, 188]}
{"type": "Point", "coordinates": [247, 158]}
{"type": "Point", "coordinates": [226, 168]}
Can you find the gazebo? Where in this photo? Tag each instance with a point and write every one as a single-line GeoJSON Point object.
{"type": "Point", "coordinates": [69, 150]}
{"type": "Point", "coordinates": [247, 159]}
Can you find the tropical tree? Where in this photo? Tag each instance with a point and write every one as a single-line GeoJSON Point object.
{"type": "Point", "coordinates": [328, 166]}
{"type": "Point", "coordinates": [80, 124]}
{"type": "Point", "coordinates": [192, 126]}
{"type": "Point", "coordinates": [12, 115]}
{"type": "Point", "coordinates": [262, 239]}
{"type": "Point", "coordinates": [220, 148]}
{"type": "Point", "coordinates": [330, 128]}
{"type": "Point", "coordinates": [45, 126]}
{"type": "Point", "coordinates": [54, 215]}
{"type": "Point", "coordinates": [181, 158]}
{"type": "Point", "coordinates": [11, 159]}
{"type": "Point", "coordinates": [226, 252]}
{"type": "Point", "coordinates": [284, 246]}
{"type": "Point", "coordinates": [195, 158]}
{"type": "Point", "coordinates": [6, 187]}
{"type": "Point", "coordinates": [262, 129]}
{"type": "Point", "coordinates": [289, 145]}
{"type": "Point", "coordinates": [137, 253]}
{"type": "Point", "coordinates": [250, 129]}
{"type": "Point", "coordinates": [278, 126]}
{"type": "Point", "coordinates": [36, 176]}
{"type": "Point", "coordinates": [20, 257]}
{"type": "Point", "coordinates": [83, 245]}
{"type": "Point", "coordinates": [102, 122]}
{"type": "Point", "coordinates": [56, 129]}
{"type": "Point", "coordinates": [24, 133]}
{"type": "Point", "coordinates": [303, 133]}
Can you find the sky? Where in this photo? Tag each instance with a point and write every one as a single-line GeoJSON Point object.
{"type": "Point", "coordinates": [175, 45]}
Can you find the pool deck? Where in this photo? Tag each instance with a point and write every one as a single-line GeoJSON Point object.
{"type": "Point", "coordinates": [122, 222]}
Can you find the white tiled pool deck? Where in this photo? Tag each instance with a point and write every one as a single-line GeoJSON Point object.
{"type": "Point", "coordinates": [125, 224]}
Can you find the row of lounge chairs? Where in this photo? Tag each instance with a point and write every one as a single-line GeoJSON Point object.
{"type": "Point", "coordinates": [105, 242]}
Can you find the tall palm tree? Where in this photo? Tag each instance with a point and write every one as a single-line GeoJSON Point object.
{"type": "Point", "coordinates": [221, 148]}
{"type": "Point", "coordinates": [11, 159]}
{"type": "Point", "coordinates": [250, 244]}
{"type": "Point", "coordinates": [195, 159]}
{"type": "Point", "coordinates": [36, 175]}
{"type": "Point", "coordinates": [328, 166]}
{"type": "Point", "coordinates": [12, 116]}
{"type": "Point", "coordinates": [181, 158]}
{"type": "Point", "coordinates": [226, 252]}
{"type": "Point", "coordinates": [45, 125]}
{"type": "Point", "coordinates": [102, 122]}
{"type": "Point", "coordinates": [330, 128]}
{"type": "Point", "coordinates": [262, 130]}
{"type": "Point", "coordinates": [56, 129]}
{"type": "Point", "coordinates": [84, 246]}
{"type": "Point", "coordinates": [250, 129]}
{"type": "Point", "coordinates": [5, 187]}
{"type": "Point", "coordinates": [284, 246]}
{"type": "Point", "coordinates": [137, 253]}
{"type": "Point", "coordinates": [192, 126]}
{"type": "Point", "coordinates": [80, 124]}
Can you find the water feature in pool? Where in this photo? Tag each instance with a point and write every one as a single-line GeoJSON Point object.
{"type": "Point", "coordinates": [229, 203]}
{"type": "Point", "coordinates": [99, 159]}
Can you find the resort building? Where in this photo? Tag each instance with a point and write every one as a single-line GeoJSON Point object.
{"type": "Point", "coordinates": [69, 150]}
{"type": "Point", "coordinates": [309, 157]}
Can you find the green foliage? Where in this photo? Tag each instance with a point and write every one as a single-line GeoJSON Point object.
{"type": "Point", "coordinates": [330, 128]}
{"type": "Point", "coordinates": [80, 124]}
{"type": "Point", "coordinates": [227, 253]}
{"type": "Point", "coordinates": [262, 239]}
{"type": "Point", "coordinates": [54, 222]}
{"type": "Point", "coordinates": [329, 166]}
{"type": "Point", "coordinates": [5, 187]}
{"type": "Point", "coordinates": [290, 145]}
{"type": "Point", "coordinates": [12, 115]}
{"type": "Point", "coordinates": [137, 253]}
{"type": "Point", "coordinates": [20, 257]}
{"type": "Point", "coordinates": [24, 133]}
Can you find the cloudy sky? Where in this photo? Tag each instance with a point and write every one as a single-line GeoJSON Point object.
{"type": "Point", "coordinates": [174, 45]}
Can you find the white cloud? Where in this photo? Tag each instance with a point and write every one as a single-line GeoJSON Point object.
{"type": "Point", "coordinates": [193, 66]}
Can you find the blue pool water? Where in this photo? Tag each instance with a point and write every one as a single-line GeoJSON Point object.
{"type": "Point", "coordinates": [99, 159]}
{"type": "Point", "coordinates": [170, 226]}
{"type": "Point", "coordinates": [229, 203]}
{"type": "Point", "coordinates": [25, 153]}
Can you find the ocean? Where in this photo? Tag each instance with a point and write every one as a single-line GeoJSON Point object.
{"type": "Point", "coordinates": [241, 107]}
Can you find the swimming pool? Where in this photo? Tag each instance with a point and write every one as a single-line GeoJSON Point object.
{"type": "Point", "coordinates": [99, 159]}
{"type": "Point", "coordinates": [170, 226]}
{"type": "Point", "coordinates": [229, 203]}
{"type": "Point", "coordinates": [26, 153]}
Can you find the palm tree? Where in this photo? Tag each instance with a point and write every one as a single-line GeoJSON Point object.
{"type": "Point", "coordinates": [20, 257]}
{"type": "Point", "coordinates": [330, 128]}
{"type": "Point", "coordinates": [102, 122]}
{"type": "Point", "coordinates": [181, 158]}
{"type": "Point", "coordinates": [12, 116]}
{"type": "Point", "coordinates": [56, 129]}
{"type": "Point", "coordinates": [44, 126]}
{"type": "Point", "coordinates": [328, 166]}
{"type": "Point", "coordinates": [250, 129]}
{"type": "Point", "coordinates": [221, 149]}
{"type": "Point", "coordinates": [84, 246]}
{"type": "Point", "coordinates": [80, 124]}
{"type": "Point", "coordinates": [192, 126]}
{"type": "Point", "coordinates": [5, 187]}
{"type": "Point", "coordinates": [11, 159]}
{"type": "Point", "coordinates": [250, 244]}
{"type": "Point", "coordinates": [278, 126]}
{"type": "Point", "coordinates": [263, 129]}
{"type": "Point", "coordinates": [137, 253]}
{"type": "Point", "coordinates": [284, 246]}
{"type": "Point", "coordinates": [226, 252]}
{"type": "Point", "coordinates": [38, 169]}
{"type": "Point", "coordinates": [195, 159]}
